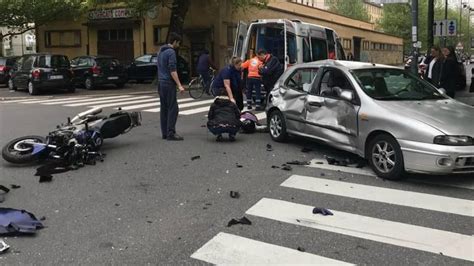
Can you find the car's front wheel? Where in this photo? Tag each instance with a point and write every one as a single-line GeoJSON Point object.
{"type": "Point", "coordinates": [89, 84]}
{"type": "Point", "coordinates": [385, 157]}
{"type": "Point", "coordinates": [277, 126]}
{"type": "Point", "coordinates": [11, 85]}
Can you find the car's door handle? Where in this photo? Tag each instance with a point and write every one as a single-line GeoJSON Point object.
{"type": "Point", "coordinates": [315, 104]}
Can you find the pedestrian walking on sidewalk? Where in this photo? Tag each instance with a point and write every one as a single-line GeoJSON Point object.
{"type": "Point", "coordinates": [434, 63]}
{"type": "Point", "coordinates": [271, 69]}
{"type": "Point", "coordinates": [254, 82]}
{"type": "Point", "coordinates": [168, 80]}
{"type": "Point", "coordinates": [450, 71]}
{"type": "Point", "coordinates": [229, 79]}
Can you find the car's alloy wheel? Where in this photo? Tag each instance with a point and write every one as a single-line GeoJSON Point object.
{"type": "Point", "coordinates": [11, 85]}
{"type": "Point", "coordinates": [385, 157]}
{"type": "Point", "coordinates": [31, 88]}
{"type": "Point", "coordinates": [88, 84]}
{"type": "Point", "coordinates": [277, 126]}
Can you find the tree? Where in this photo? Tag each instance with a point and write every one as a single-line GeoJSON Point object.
{"type": "Point", "coordinates": [23, 15]}
{"type": "Point", "coordinates": [350, 8]}
{"type": "Point", "coordinates": [393, 22]}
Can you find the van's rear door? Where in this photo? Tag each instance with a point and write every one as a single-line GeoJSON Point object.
{"type": "Point", "coordinates": [241, 33]}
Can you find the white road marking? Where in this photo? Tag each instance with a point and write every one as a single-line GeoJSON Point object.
{"type": "Point", "coordinates": [195, 111]}
{"type": "Point", "coordinates": [52, 100]}
{"type": "Point", "coordinates": [226, 249]}
{"type": "Point", "coordinates": [322, 164]}
{"type": "Point", "coordinates": [127, 103]}
{"type": "Point", "coordinates": [156, 110]}
{"type": "Point", "coordinates": [67, 101]}
{"type": "Point", "coordinates": [19, 101]}
{"type": "Point", "coordinates": [385, 195]}
{"type": "Point", "coordinates": [132, 107]}
{"type": "Point", "coordinates": [97, 101]}
{"type": "Point", "coordinates": [405, 235]}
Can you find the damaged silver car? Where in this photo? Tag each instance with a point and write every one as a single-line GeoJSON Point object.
{"type": "Point", "coordinates": [397, 121]}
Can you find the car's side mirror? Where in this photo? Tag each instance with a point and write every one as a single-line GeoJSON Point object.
{"type": "Point", "coordinates": [347, 95]}
{"type": "Point", "coordinates": [307, 87]}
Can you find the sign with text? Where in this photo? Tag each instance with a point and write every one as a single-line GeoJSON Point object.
{"type": "Point", "coordinates": [110, 13]}
{"type": "Point", "coordinates": [444, 28]}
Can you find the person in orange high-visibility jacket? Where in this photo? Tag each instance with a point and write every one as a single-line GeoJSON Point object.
{"type": "Point", "coordinates": [254, 82]}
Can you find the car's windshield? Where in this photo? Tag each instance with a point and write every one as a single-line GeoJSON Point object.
{"type": "Point", "coordinates": [395, 84]}
{"type": "Point", "coordinates": [105, 62]}
{"type": "Point", "coordinates": [53, 61]}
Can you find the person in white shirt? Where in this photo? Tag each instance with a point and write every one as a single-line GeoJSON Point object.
{"type": "Point", "coordinates": [434, 64]}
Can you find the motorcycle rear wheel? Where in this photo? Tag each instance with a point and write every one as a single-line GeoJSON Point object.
{"type": "Point", "coordinates": [16, 151]}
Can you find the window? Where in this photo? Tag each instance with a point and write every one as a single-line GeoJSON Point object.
{"type": "Point", "coordinates": [84, 62]}
{"type": "Point", "coordinates": [115, 35]}
{"type": "Point", "coordinates": [67, 38]}
{"type": "Point", "coordinates": [291, 46]}
{"type": "Point", "coordinates": [366, 45]}
{"type": "Point", "coordinates": [52, 61]}
{"type": "Point", "coordinates": [319, 49]}
{"type": "Point", "coordinates": [333, 83]}
{"type": "Point", "coordinates": [347, 44]}
{"type": "Point", "coordinates": [143, 59]}
{"type": "Point", "coordinates": [306, 51]}
{"type": "Point", "coordinates": [300, 77]}
{"type": "Point", "coordinates": [27, 63]}
{"type": "Point", "coordinates": [231, 32]}
{"type": "Point", "coordinates": [159, 34]}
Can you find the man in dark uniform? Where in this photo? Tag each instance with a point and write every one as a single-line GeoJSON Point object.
{"type": "Point", "coordinates": [167, 81]}
{"type": "Point", "coordinates": [271, 70]}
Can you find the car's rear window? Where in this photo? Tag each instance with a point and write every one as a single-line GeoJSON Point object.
{"type": "Point", "coordinates": [52, 61]}
{"type": "Point", "coordinates": [3, 61]}
{"type": "Point", "coordinates": [104, 62]}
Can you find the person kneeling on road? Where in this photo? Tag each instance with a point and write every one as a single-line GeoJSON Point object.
{"type": "Point", "coordinates": [224, 117]}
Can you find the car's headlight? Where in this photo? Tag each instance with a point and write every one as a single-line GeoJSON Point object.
{"type": "Point", "coordinates": [454, 140]}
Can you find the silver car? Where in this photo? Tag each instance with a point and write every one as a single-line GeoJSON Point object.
{"type": "Point", "coordinates": [394, 119]}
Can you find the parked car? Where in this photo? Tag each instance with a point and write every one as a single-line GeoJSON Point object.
{"type": "Point", "coordinates": [36, 72]}
{"type": "Point", "coordinates": [144, 68]}
{"type": "Point", "coordinates": [6, 65]}
{"type": "Point", "coordinates": [397, 121]}
{"type": "Point", "coordinates": [91, 71]}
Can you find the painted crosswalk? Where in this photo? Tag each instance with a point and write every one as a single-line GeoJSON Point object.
{"type": "Point", "coordinates": [149, 103]}
{"type": "Point", "coordinates": [227, 248]}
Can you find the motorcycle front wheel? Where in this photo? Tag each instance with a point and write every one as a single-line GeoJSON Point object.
{"type": "Point", "coordinates": [19, 150]}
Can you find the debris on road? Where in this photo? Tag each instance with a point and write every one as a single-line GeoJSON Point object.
{"type": "Point", "coordinates": [18, 221]}
{"type": "Point", "coordinates": [239, 165]}
{"type": "Point", "coordinates": [3, 246]}
{"type": "Point", "coordinates": [286, 167]}
{"type": "Point", "coordinates": [242, 220]}
{"type": "Point", "coordinates": [269, 147]}
{"type": "Point", "coordinates": [360, 163]}
{"type": "Point", "coordinates": [2, 196]}
{"type": "Point", "coordinates": [195, 157]}
{"type": "Point", "coordinates": [42, 218]}
{"type": "Point", "coordinates": [275, 167]}
{"type": "Point", "coordinates": [234, 194]}
{"type": "Point", "coordinates": [296, 162]}
{"type": "Point", "coordinates": [322, 211]}
{"type": "Point", "coordinates": [301, 249]}
{"type": "Point", "coordinates": [306, 149]}
{"type": "Point", "coordinates": [13, 186]}
{"type": "Point", "coordinates": [45, 172]}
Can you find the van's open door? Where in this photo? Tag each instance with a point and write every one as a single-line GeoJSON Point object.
{"type": "Point", "coordinates": [241, 33]}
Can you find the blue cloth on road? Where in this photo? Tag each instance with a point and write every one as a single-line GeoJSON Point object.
{"type": "Point", "coordinates": [166, 62]}
{"type": "Point", "coordinates": [18, 221]}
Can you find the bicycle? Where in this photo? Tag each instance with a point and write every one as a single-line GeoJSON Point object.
{"type": "Point", "coordinates": [197, 87]}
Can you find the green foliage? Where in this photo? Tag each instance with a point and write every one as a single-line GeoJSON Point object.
{"type": "Point", "coordinates": [396, 20]}
{"type": "Point", "coordinates": [350, 8]}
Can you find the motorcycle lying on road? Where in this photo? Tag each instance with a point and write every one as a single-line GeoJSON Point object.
{"type": "Point", "coordinates": [75, 143]}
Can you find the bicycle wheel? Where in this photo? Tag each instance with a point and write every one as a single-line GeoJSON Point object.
{"type": "Point", "coordinates": [195, 88]}
{"type": "Point", "coordinates": [213, 93]}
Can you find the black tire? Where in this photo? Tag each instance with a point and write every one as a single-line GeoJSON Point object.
{"type": "Point", "coordinates": [277, 126]}
{"type": "Point", "coordinates": [120, 85]}
{"type": "Point", "coordinates": [71, 88]}
{"type": "Point", "coordinates": [32, 89]}
{"type": "Point", "coordinates": [195, 88]}
{"type": "Point", "coordinates": [11, 154]}
{"type": "Point", "coordinates": [11, 85]}
{"type": "Point", "coordinates": [385, 157]}
{"type": "Point", "coordinates": [89, 84]}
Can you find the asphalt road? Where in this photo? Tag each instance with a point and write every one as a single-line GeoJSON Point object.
{"type": "Point", "coordinates": [150, 203]}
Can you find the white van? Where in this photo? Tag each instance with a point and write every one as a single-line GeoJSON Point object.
{"type": "Point", "coordinates": [292, 41]}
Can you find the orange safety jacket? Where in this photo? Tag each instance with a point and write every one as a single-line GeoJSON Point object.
{"type": "Point", "coordinates": [253, 66]}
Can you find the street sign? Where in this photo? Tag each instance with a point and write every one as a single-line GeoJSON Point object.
{"type": "Point", "coordinates": [443, 28]}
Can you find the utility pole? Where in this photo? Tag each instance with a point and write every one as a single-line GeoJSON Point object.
{"type": "Point", "coordinates": [414, 35]}
{"type": "Point", "coordinates": [446, 18]}
{"type": "Point", "coordinates": [430, 23]}
{"type": "Point", "coordinates": [460, 23]}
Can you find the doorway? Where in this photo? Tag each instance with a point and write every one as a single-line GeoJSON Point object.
{"type": "Point", "coordinates": [357, 42]}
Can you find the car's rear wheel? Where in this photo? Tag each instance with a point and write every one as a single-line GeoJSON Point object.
{"type": "Point", "coordinates": [32, 89]}
{"type": "Point", "coordinates": [277, 126]}
{"type": "Point", "coordinates": [89, 84]}
{"type": "Point", "coordinates": [385, 157]}
{"type": "Point", "coordinates": [11, 85]}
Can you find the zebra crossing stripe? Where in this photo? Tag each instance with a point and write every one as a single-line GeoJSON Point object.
{"type": "Point", "coordinates": [98, 101]}
{"type": "Point", "coordinates": [51, 100]}
{"type": "Point", "coordinates": [405, 235]}
{"type": "Point", "coordinates": [85, 99]}
{"type": "Point", "coordinates": [146, 105]}
{"type": "Point", "coordinates": [231, 249]}
{"type": "Point", "coordinates": [195, 111]}
{"type": "Point", "coordinates": [379, 194]}
{"type": "Point", "coordinates": [127, 103]}
{"type": "Point", "coordinates": [156, 110]}
{"type": "Point", "coordinates": [17, 101]}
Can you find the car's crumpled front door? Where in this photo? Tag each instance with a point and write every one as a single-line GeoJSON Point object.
{"type": "Point", "coordinates": [328, 116]}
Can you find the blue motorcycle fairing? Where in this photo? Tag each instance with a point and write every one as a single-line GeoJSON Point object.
{"type": "Point", "coordinates": [38, 148]}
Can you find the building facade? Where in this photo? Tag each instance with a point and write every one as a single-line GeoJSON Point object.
{"type": "Point", "coordinates": [17, 45]}
{"type": "Point", "coordinates": [114, 31]}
